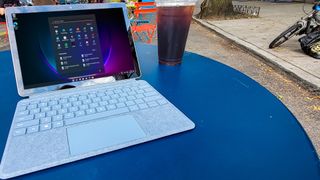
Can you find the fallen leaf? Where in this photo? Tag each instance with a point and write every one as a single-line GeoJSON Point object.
{"type": "Point", "coordinates": [316, 108]}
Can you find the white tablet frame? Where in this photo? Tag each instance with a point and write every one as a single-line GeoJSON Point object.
{"type": "Point", "coordinates": [52, 8]}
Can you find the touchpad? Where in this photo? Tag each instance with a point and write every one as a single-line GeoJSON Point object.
{"type": "Point", "coordinates": [104, 133]}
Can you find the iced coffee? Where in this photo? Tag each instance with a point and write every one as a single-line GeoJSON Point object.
{"type": "Point", "coordinates": [173, 21]}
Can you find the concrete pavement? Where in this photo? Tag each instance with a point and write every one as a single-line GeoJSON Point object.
{"type": "Point", "coordinates": [255, 34]}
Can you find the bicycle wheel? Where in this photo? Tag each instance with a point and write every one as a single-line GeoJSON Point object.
{"type": "Point", "coordinates": [287, 34]}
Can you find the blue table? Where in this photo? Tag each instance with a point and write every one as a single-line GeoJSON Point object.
{"type": "Point", "coordinates": [242, 130]}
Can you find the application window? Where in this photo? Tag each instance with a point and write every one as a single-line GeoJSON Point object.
{"type": "Point", "coordinates": [76, 45]}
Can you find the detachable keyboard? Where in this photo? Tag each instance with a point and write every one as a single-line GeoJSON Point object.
{"type": "Point", "coordinates": [36, 115]}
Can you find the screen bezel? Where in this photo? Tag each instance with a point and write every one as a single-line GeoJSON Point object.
{"type": "Point", "coordinates": [52, 8]}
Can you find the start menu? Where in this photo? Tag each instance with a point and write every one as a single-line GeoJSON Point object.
{"type": "Point", "coordinates": [76, 44]}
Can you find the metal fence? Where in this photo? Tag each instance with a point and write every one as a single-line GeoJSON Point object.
{"type": "Point", "coordinates": [249, 10]}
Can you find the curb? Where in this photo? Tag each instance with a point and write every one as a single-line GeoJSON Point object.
{"type": "Point", "coordinates": [308, 80]}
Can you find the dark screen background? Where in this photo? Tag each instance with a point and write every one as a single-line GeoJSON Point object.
{"type": "Point", "coordinates": [36, 54]}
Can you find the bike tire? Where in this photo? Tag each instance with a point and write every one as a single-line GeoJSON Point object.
{"type": "Point", "coordinates": [285, 35]}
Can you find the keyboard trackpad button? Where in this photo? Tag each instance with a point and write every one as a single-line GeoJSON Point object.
{"type": "Point", "coordinates": [104, 133]}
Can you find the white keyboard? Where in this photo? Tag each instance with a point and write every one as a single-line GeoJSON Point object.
{"type": "Point", "coordinates": [36, 115]}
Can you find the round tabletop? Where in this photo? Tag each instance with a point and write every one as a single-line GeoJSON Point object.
{"type": "Point", "coordinates": [242, 130]}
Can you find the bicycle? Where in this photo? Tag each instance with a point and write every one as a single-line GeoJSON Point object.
{"type": "Point", "coordinates": [307, 24]}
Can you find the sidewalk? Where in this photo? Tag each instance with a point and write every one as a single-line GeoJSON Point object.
{"type": "Point", "coordinates": [255, 34]}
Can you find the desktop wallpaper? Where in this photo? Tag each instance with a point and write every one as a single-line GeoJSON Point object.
{"type": "Point", "coordinates": [106, 53]}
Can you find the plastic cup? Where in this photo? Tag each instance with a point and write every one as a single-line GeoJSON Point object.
{"type": "Point", "coordinates": [173, 22]}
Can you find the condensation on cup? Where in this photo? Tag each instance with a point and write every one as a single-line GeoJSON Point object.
{"type": "Point", "coordinates": [173, 22]}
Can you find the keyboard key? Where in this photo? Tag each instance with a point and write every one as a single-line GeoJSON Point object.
{"type": "Point", "coordinates": [80, 113]}
{"type": "Point", "coordinates": [57, 124]}
{"type": "Point", "coordinates": [32, 106]}
{"type": "Point", "coordinates": [52, 113]}
{"type": "Point", "coordinates": [19, 132]}
{"type": "Point", "coordinates": [143, 106]}
{"type": "Point", "coordinates": [32, 129]}
{"type": "Point", "coordinates": [77, 103]}
{"type": "Point", "coordinates": [27, 123]}
{"type": "Point", "coordinates": [122, 99]}
{"type": "Point", "coordinates": [56, 107]}
{"type": "Point", "coordinates": [152, 98]}
{"type": "Point", "coordinates": [123, 94]}
{"type": "Point", "coordinates": [62, 111]}
{"type": "Point", "coordinates": [139, 101]}
{"type": "Point", "coordinates": [84, 107]}
{"type": "Point", "coordinates": [121, 105]}
{"type": "Point", "coordinates": [162, 101]}
{"type": "Point", "coordinates": [63, 101]}
{"type": "Point", "coordinates": [130, 98]}
{"type": "Point", "coordinates": [24, 103]}
{"type": "Point", "coordinates": [73, 109]}
{"type": "Point", "coordinates": [56, 99]}
{"type": "Point", "coordinates": [113, 101]}
{"type": "Point", "coordinates": [105, 98]}
{"type": "Point", "coordinates": [117, 91]}
{"type": "Point", "coordinates": [149, 89]}
{"type": "Point", "coordinates": [45, 109]}
{"type": "Point", "coordinates": [57, 118]}
{"type": "Point", "coordinates": [68, 115]}
{"type": "Point", "coordinates": [86, 101]}
{"type": "Point", "coordinates": [140, 91]}
{"type": "Point", "coordinates": [100, 94]}
{"type": "Point", "coordinates": [131, 93]}
{"type": "Point", "coordinates": [43, 104]}
{"type": "Point", "coordinates": [25, 118]}
{"type": "Point", "coordinates": [134, 108]}
{"type": "Point", "coordinates": [96, 116]}
{"type": "Point", "coordinates": [45, 120]}
{"type": "Point", "coordinates": [73, 99]}
{"type": "Point", "coordinates": [130, 103]}
{"type": "Point", "coordinates": [109, 92]}
{"type": "Point", "coordinates": [52, 103]}
{"type": "Point", "coordinates": [139, 96]}
{"type": "Point", "coordinates": [21, 108]}
{"type": "Point", "coordinates": [40, 115]}
{"type": "Point", "coordinates": [90, 111]}
{"type": "Point", "coordinates": [23, 113]}
{"type": "Point", "coordinates": [101, 109]}
{"type": "Point", "coordinates": [35, 111]}
{"type": "Point", "coordinates": [152, 104]}
{"type": "Point", "coordinates": [153, 93]}
{"type": "Point", "coordinates": [111, 107]}
{"type": "Point", "coordinates": [66, 105]}
{"type": "Point", "coordinates": [44, 127]}
{"type": "Point", "coordinates": [115, 96]}
{"type": "Point", "coordinates": [97, 99]}
{"type": "Point", "coordinates": [103, 103]}
{"type": "Point", "coordinates": [93, 105]}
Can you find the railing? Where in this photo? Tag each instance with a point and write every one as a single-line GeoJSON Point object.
{"type": "Point", "coordinates": [249, 10]}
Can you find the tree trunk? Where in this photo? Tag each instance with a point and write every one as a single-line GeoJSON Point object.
{"type": "Point", "coordinates": [216, 8]}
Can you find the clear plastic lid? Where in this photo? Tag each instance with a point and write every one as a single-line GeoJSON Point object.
{"type": "Point", "coordinates": [175, 2]}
